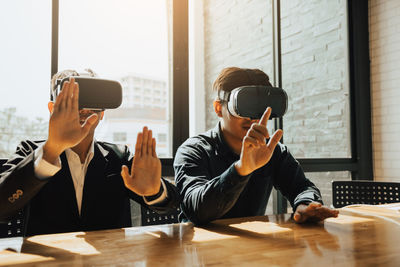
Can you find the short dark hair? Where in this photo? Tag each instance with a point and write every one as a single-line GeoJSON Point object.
{"type": "Point", "coordinates": [65, 74]}
{"type": "Point", "coordinates": [233, 77]}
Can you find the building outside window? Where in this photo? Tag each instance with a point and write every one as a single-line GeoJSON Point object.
{"type": "Point", "coordinates": [24, 71]}
{"type": "Point", "coordinates": [119, 137]}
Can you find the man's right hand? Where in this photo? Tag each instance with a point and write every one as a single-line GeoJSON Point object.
{"type": "Point", "coordinates": [65, 131]}
{"type": "Point", "coordinates": [255, 152]}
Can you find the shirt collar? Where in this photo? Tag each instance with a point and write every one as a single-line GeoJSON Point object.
{"type": "Point", "coordinates": [70, 153]}
{"type": "Point", "coordinates": [222, 146]}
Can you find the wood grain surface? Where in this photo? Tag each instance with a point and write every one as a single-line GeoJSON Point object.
{"type": "Point", "coordinates": [353, 239]}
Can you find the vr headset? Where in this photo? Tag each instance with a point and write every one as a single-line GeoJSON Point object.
{"type": "Point", "coordinates": [252, 101]}
{"type": "Point", "coordinates": [94, 93]}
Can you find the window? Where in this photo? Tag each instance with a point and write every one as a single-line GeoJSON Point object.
{"type": "Point", "coordinates": [119, 137]}
{"type": "Point", "coordinates": [149, 53]}
{"type": "Point", "coordinates": [315, 76]}
{"type": "Point", "coordinates": [317, 52]}
{"type": "Point", "coordinates": [127, 41]}
{"type": "Point", "coordinates": [162, 138]}
{"type": "Point", "coordinates": [24, 72]}
{"type": "Point", "coordinates": [219, 34]}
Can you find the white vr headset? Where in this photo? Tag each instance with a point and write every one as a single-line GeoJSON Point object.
{"type": "Point", "coordinates": [252, 101]}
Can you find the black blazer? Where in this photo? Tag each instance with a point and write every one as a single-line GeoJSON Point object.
{"type": "Point", "coordinates": [50, 204]}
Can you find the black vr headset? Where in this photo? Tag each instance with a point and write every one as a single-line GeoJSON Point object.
{"type": "Point", "coordinates": [94, 93]}
{"type": "Point", "coordinates": [252, 101]}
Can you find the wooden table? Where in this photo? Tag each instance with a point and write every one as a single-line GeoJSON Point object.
{"type": "Point", "coordinates": [352, 239]}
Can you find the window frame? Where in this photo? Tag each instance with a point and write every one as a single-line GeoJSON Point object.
{"type": "Point", "coordinates": [360, 162]}
{"type": "Point", "coordinates": [180, 74]}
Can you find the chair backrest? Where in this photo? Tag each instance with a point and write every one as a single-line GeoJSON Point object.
{"type": "Point", "coordinates": [150, 217]}
{"type": "Point", "coordinates": [15, 226]}
{"type": "Point", "coordinates": [364, 192]}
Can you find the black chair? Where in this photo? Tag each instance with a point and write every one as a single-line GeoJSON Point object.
{"type": "Point", "coordinates": [150, 217]}
{"type": "Point", "coordinates": [364, 192]}
{"type": "Point", "coordinates": [15, 226]}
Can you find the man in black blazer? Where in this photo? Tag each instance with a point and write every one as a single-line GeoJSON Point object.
{"type": "Point", "coordinates": [71, 182]}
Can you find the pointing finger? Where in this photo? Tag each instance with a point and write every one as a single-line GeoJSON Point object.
{"type": "Point", "coordinates": [265, 117]}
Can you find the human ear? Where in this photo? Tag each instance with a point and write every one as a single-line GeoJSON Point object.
{"type": "Point", "coordinates": [218, 108]}
{"type": "Point", "coordinates": [50, 106]}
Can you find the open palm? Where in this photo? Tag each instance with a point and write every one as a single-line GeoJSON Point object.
{"type": "Point", "coordinates": [65, 131]}
{"type": "Point", "coordinates": [145, 176]}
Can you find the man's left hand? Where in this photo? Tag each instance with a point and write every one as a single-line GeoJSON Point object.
{"type": "Point", "coordinates": [145, 176]}
{"type": "Point", "coordinates": [313, 212]}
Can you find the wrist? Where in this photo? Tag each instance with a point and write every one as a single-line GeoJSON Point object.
{"type": "Point", "coordinates": [155, 196]}
{"type": "Point", "coordinates": [51, 152]}
{"type": "Point", "coordinates": [240, 169]}
{"type": "Point", "coordinates": [300, 206]}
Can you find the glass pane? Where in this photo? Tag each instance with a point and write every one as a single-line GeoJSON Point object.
{"type": "Point", "coordinates": [225, 34]}
{"type": "Point", "coordinates": [315, 76]}
{"type": "Point", "coordinates": [24, 71]}
{"type": "Point", "coordinates": [127, 41]}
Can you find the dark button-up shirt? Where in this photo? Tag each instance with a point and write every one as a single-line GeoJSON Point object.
{"type": "Point", "coordinates": [212, 189]}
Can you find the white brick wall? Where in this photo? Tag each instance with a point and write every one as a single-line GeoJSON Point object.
{"type": "Point", "coordinates": [384, 18]}
{"type": "Point", "coordinates": [314, 65]}
{"type": "Point", "coordinates": [236, 33]}
{"type": "Point", "coordinates": [315, 75]}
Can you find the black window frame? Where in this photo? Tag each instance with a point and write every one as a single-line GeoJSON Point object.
{"type": "Point", "coordinates": [180, 73]}
{"type": "Point", "coordinates": [360, 164]}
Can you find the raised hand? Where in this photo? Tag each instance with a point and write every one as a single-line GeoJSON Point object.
{"type": "Point", "coordinates": [145, 176]}
{"type": "Point", "coordinates": [255, 152]}
{"type": "Point", "coordinates": [313, 212]}
{"type": "Point", "coordinates": [65, 130]}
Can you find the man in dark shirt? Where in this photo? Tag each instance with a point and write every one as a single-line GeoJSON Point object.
{"type": "Point", "coordinates": [230, 170]}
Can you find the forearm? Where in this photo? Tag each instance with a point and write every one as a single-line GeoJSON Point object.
{"type": "Point", "coordinates": [291, 181]}
{"type": "Point", "coordinates": [171, 200]}
{"type": "Point", "coordinates": [204, 201]}
{"type": "Point", "coordinates": [25, 174]}
{"type": "Point", "coordinates": [309, 194]}
{"type": "Point", "coordinates": [17, 187]}
{"type": "Point", "coordinates": [165, 205]}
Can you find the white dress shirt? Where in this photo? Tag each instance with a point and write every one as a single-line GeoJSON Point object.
{"type": "Point", "coordinates": [44, 169]}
